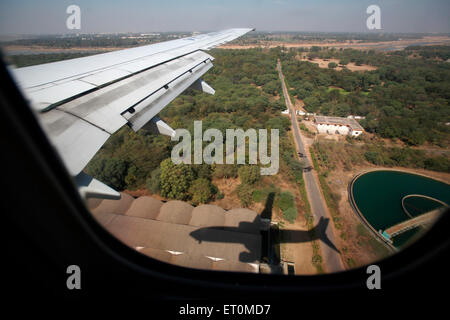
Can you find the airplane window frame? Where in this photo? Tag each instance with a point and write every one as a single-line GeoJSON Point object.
{"type": "Point", "coordinates": [30, 140]}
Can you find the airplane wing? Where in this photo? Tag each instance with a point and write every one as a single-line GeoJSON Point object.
{"type": "Point", "coordinates": [82, 102]}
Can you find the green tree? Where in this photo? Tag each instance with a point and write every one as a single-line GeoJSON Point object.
{"type": "Point", "coordinates": [373, 157]}
{"type": "Point", "coordinates": [245, 194]}
{"type": "Point", "coordinates": [249, 174]}
{"type": "Point", "coordinates": [131, 178]}
{"type": "Point", "coordinates": [200, 191]}
{"type": "Point", "coordinates": [280, 123]}
{"type": "Point", "coordinates": [285, 200]}
{"type": "Point", "coordinates": [290, 214]}
{"type": "Point", "coordinates": [272, 87]}
{"type": "Point", "coordinates": [312, 104]}
{"type": "Point", "coordinates": [202, 171]}
{"type": "Point", "coordinates": [111, 171]}
{"type": "Point", "coordinates": [153, 183]}
{"type": "Point", "coordinates": [175, 180]}
{"type": "Point", "coordinates": [344, 61]}
{"type": "Point", "coordinates": [332, 65]}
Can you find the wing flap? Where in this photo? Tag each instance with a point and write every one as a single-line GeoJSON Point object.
{"type": "Point", "coordinates": [148, 108]}
{"type": "Point", "coordinates": [104, 107]}
{"type": "Point", "coordinates": [80, 127]}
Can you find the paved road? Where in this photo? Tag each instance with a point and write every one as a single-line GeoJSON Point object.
{"type": "Point", "coordinates": [331, 257]}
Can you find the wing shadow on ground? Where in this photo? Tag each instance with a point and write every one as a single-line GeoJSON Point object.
{"type": "Point", "coordinates": [210, 234]}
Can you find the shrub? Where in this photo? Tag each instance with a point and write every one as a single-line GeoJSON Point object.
{"type": "Point", "coordinates": [245, 194]}
{"type": "Point", "coordinates": [336, 196]}
{"type": "Point", "coordinates": [202, 171]}
{"type": "Point", "coordinates": [175, 180]}
{"type": "Point", "coordinates": [220, 196]}
{"type": "Point", "coordinates": [153, 183]}
{"type": "Point", "coordinates": [441, 164]}
{"type": "Point", "coordinates": [249, 174]}
{"type": "Point", "coordinates": [225, 171]}
{"type": "Point", "coordinates": [290, 214]}
{"type": "Point", "coordinates": [332, 65]}
{"type": "Point", "coordinates": [257, 195]}
{"type": "Point", "coordinates": [285, 200]}
{"type": "Point", "coordinates": [373, 157]}
{"type": "Point", "coordinates": [111, 171]}
{"type": "Point", "coordinates": [200, 191]}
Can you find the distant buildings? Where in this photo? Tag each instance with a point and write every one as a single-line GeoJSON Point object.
{"type": "Point", "coordinates": [337, 125]}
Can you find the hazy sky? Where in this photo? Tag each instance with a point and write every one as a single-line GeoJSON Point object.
{"type": "Point", "coordinates": [45, 16]}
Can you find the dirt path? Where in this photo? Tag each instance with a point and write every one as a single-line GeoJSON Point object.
{"type": "Point", "coordinates": [297, 250]}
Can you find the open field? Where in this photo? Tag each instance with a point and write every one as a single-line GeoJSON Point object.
{"type": "Point", "coordinates": [323, 63]}
{"type": "Point", "coordinates": [22, 49]}
{"type": "Point", "coordinates": [384, 46]}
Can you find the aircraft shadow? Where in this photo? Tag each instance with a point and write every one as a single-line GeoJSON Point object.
{"type": "Point", "coordinates": [210, 234]}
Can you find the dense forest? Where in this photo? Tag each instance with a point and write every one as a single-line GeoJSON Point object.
{"type": "Point", "coordinates": [405, 98]}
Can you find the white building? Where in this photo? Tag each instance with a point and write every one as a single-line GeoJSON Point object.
{"type": "Point", "coordinates": [356, 117]}
{"type": "Point", "coordinates": [337, 125]}
{"type": "Point", "coordinates": [303, 113]}
{"type": "Point", "coordinates": [285, 111]}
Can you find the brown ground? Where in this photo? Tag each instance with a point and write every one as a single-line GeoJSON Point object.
{"type": "Point", "coordinates": [300, 253]}
{"type": "Point", "coordinates": [323, 63]}
{"type": "Point", "coordinates": [8, 48]}
{"type": "Point", "coordinates": [228, 187]}
{"type": "Point", "coordinates": [433, 40]}
{"type": "Point", "coordinates": [299, 104]}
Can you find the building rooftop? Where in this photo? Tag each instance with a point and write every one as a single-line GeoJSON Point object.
{"type": "Point", "coordinates": [173, 232]}
{"type": "Point", "coordinates": [352, 123]}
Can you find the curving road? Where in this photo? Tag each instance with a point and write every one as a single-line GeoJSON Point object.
{"type": "Point", "coordinates": [331, 257]}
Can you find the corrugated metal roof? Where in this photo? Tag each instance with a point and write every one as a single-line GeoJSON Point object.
{"type": "Point", "coordinates": [232, 239]}
{"type": "Point", "coordinates": [352, 123]}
